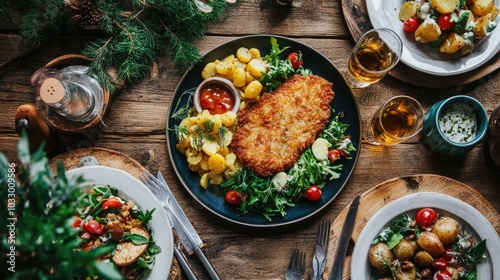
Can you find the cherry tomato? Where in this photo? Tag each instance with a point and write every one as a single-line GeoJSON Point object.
{"type": "Point", "coordinates": [93, 227]}
{"type": "Point", "coordinates": [313, 193]}
{"type": "Point", "coordinates": [296, 59]}
{"type": "Point", "coordinates": [444, 22]}
{"type": "Point", "coordinates": [112, 202]}
{"type": "Point", "coordinates": [448, 254]}
{"type": "Point", "coordinates": [426, 217]}
{"type": "Point", "coordinates": [234, 197]}
{"type": "Point", "coordinates": [410, 24]}
{"type": "Point", "coordinates": [439, 263]}
{"type": "Point", "coordinates": [333, 155]}
{"type": "Point", "coordinates": [442, 274]}
{"type": "Point", "coordinates": [77, 223]}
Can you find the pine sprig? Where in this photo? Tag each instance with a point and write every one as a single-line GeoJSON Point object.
{"type": "Point", "coordinates": [137, 32]}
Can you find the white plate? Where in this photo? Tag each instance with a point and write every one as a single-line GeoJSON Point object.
{"type": "Point", "coordinates": [131, 188]}
{"type": "Point", "coordinates": [385, 13]}
{"type": "Point", "coordinates": [448, 206]}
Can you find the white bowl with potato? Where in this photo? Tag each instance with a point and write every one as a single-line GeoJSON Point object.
{"type": "Point", "coordinates": [371, 254]}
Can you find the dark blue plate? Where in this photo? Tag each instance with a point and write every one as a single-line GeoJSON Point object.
{"type": "Point", "coordinates": [213, 197]}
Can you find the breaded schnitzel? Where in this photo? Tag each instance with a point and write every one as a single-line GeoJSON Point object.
{"type": "Point", "coordinates": [273, 132]}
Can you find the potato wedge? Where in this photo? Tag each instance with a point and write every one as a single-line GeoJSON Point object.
{"type": "Point", "coordinates": [427, 32]}
{"type": "Point", "coordinates": [481, 7]}
{"type": "Point", "coordinates": [444, 6]}
{"type": "Point", "coordinates": [128, 252]}
{"type": "Point", "coordinates": [453, 43]}
{"type": "Point", "coordinates": [408, 9]}
{"type": "Point", "coordinates": [481, 28]}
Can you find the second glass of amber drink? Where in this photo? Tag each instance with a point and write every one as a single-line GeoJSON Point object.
{"type": "Point", "coordinates": [397, 120]}
{"type": "Point", "coordinates": [373, 56]}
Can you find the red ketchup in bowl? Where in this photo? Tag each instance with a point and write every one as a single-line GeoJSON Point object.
{"type": "Point", "coordinates": [216, 99]}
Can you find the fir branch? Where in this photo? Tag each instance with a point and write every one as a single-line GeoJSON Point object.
{"type": "Point", "coordinates": [138, 31]}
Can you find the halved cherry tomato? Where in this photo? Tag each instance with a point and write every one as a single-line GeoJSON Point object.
{"type": "Point", "coordinates": [77, 223]}
{"type": "Point", "coordinates": [296, 59]}
{"type": "Point", "coordinates": [410, 24]}
{"type": "Point", "coordinates": [439, 264]}
{"type": "Point", "coordinates": [426, 217]}
{"type": "Point", "coordinates": [112, 202]}
{"type": "Point", "coordinates": [234, 197]}
{"type": "Point", "coordinates": [333, 155]}
{"type": "Point", "coordinates": [313, 193]}
{"type": "Point", "coordinates": [93, 227]}
{"type": "Point", "coordinates": [444, 22]}
{"type": "Point", "coordinates": [448, 254]}
{"type": "Point", "coordinates": [442, 274]}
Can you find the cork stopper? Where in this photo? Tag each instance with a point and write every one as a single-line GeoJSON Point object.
{"type": "Point", "coordinates": [52, 91]}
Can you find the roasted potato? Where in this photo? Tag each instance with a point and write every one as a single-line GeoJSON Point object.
{"type": "Point", "coordinates": [446, 229]}
{"type": "Point", "coordinates": [481, 28]}
{"type": "Point", "coordinates": [379, 254]}
{"type": "Point", "coordinates": [455, 275]}
{"type": "Point", "coordinates": [444, 6]}
{"type": "Point", "coordinates": [430, 242]}
{"type": "Point", "coordinates": [453, 43]}
{"type": "Point", "coordinates": [427, 32]}
{"type": "Point", "coordinates": [494, 12]}
{"type": "Point", "coordinates": [423, 259]}
{"type": "Point", "coordinates": [408, 9]}
{"type": "Point", "coordinates": [405, 249]}
{"type": "Point", "coordinates": [481, 7]}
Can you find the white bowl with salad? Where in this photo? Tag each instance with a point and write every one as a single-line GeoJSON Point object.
{"type": "Point", "coordinates": [417, 220]}
{"type": "Point", "coordinates": [118, 211]}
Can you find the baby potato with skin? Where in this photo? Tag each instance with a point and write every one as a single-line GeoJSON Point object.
{"type": "Point", "coordinates": [430, 242]}
{"type": "Point", "coordinates": [446, 229]}
{"type": "Point", "coordinates": [379, 254]}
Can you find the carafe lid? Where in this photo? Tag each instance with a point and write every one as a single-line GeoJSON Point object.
{"type": "Point", "coordinates": [52, 91]}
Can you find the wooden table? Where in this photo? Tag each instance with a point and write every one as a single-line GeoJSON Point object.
{"type": "Point", "coordinates": [135, 126]}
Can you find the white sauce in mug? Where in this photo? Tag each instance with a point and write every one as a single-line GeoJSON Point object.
{"type": "Point", "coordinates": [458, 123]}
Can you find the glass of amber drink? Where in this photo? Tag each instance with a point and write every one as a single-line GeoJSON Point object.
{"type": "Point", "coordinates": [397, 120]}
{"type": "Point", "coordinates": [373, 56]}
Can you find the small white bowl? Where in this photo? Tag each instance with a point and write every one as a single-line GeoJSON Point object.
{"type": "Point", "coordinates": [228, 85]}
{"type": "Point", "coordinates": [449, 206]}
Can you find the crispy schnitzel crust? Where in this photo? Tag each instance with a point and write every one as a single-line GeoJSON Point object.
{"type": "Point", "coordinates": [273, 132]}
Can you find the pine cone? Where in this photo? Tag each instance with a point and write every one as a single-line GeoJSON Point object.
{"type": "Point", "coordinates": [84, 12]}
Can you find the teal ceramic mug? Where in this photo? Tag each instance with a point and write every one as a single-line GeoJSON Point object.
{"type": "Point", "coordinates": [455, 125]}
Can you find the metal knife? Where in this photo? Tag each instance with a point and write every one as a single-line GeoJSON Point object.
{"type": "Point", "coordinates": [185, 230]}
{"type": "Point", "coordinates": [345, 236]}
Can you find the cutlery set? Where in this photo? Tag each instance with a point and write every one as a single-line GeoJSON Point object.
{"type": "Point", "coordinates": [185, 231]}
{"type": "Point", "coordinates": [296, 266]}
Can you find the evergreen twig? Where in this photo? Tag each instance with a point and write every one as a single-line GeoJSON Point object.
{"type": "Point", "coordinates": [137, 32]}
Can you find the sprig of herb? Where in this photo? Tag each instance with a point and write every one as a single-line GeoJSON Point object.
{"type": "Point", "coordinates": [393, 234]}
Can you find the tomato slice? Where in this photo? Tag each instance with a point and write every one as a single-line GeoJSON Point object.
{"type": "Point", "coordinates": [77, 223]}
{"type": "Point", "coordinates": [112, 202]}
{"type": "Point", "coordinates": [313, 193]}
{"type": "Point", "coordinates": [442, 274]}
{"type": "Point", "coordinates": [426, 217]}
{"type": "Point", "coordinates": [93, 227]}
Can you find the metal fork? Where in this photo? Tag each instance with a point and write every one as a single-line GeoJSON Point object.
{"type": "Point", "coordinates": [153, 185]}
{"type": "Point", "coordinates": [322, 239]}
{"type": "Point", "coordinates": [296, 266]}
